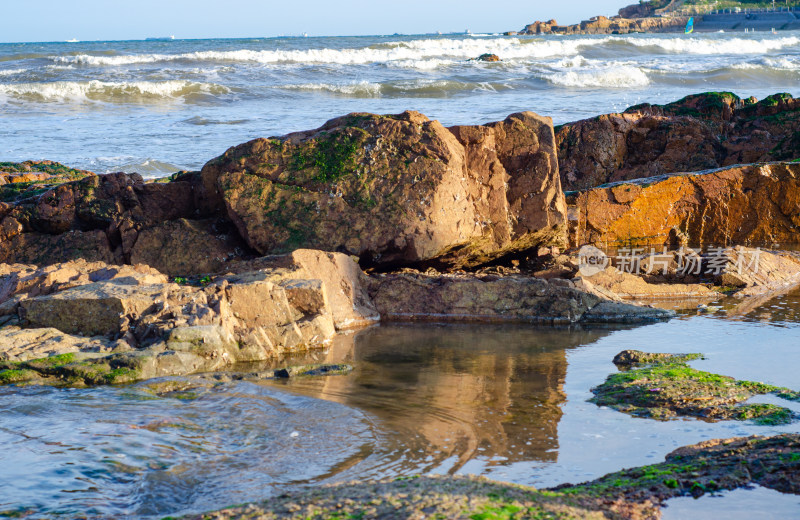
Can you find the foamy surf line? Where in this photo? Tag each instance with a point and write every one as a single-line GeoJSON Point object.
{"type": "Point", "coordinates": [109, 91]}
{"type": "Point", "coordinates": [415, 87]}
{"type": "Point", "coordinates": [414, 52]}
{"type": "Point", "coordinates": [383, 53]}
{"type": "Point", "coordinates": [710, 47]}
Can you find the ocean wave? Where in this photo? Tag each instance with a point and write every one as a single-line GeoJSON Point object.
{"type": "Point", "coordinates": [203, 121]}
{"type": "Point", "coordinates": [12, 72]}
{"type": "Point", "coordinates": [410, 52]}
{"type": "Point", "coordinates": [148, 168]}
{"type": "Point", "coordinates": [705, 46]}
{"type": "Point", "coordinates": [110, 92]}
{"type": "Point", "coordinates": [616, 77]}
{"type": "Point", "coordinates": [778, 62]}
{"type": "Point", "coordinates": [420, 87]}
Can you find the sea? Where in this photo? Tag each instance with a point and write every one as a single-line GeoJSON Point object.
{"type": "Point", "coordinates": [158, 106]}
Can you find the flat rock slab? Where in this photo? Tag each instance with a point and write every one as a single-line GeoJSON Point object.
{"type": "Point", "coordinates": [488, 298]}
{"type": "Point", "coordinates": [95, 309]}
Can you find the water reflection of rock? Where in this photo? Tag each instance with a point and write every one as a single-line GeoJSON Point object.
{"type": "Point", "coordinates": [447, 394]}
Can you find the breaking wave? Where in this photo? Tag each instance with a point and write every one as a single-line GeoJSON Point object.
{"type": "Point", "coordinates": [704, 46]}
{"type": "Point", "coordinates": [434, 53]}
{"type": "Point", "coordinates": [414, 88]}
{"type": "Point", "coordinates": [616, 77]}
{"type": "Point", "coordinates": [112, 92]}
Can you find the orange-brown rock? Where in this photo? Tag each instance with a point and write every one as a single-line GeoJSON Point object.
{"type": "Point", "coordinates": [747, 205]}
{"type": "Point", "coordinates": [394, 189]}
{"type": "Point", "coordinates": [699, 132]}
{"type": "Point", "coordinates": [604, 25]}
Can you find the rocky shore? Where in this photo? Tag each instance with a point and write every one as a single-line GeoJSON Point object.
{"type": "Point", "coordinates": [657, 16]}
{"type": "Point", "coordinates": [635, 493]}
{"type": "Point", "coordinates": [280, 245]}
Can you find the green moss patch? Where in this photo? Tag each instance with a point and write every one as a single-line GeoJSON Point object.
{"type": "Point", "coordinates": [330, 156]}
{"type": "Point", "coordinates": [12, 376]}
{"type": "Point", "coordinates": [663, 386]}
{"type": "Point", "coordinates": [703, 468]}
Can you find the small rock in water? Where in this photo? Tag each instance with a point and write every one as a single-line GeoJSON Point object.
{"type": "Point", "coordinates": [488, 57]}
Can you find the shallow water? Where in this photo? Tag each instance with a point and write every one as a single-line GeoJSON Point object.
{"type": "Point", "coordinates": [508, 402]}
{"type": "Point", "coordinates": [739, 504]}
{"type": "Point", "coordinates": [158, 106]}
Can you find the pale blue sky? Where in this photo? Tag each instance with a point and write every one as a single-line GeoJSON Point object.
{"type": "Point", "coordinates": [58, 20]}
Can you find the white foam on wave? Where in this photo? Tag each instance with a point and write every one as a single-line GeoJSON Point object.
{"type": "Point", "coordinates": [412, 53]}
{"type": "Point", "coordinates": [109, 91]}
{"type": "Point", "coordinates": [434, 53]}
{"type": "Point", "coordinates": [779, 62]}
{"type": "Point", "coordinates": [361, 88]}
{"type": "Point", "coordinates": [616, 77]}
{"type": "Point", "coordinates": [12, 72]}
{"type": "Point", "coordinates": [419, 87]}
{"type": "Point", "coordinates": [705, 46]}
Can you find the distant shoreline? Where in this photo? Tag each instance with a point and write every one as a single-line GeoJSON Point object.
{"type": "Point", "coordinates": [639, 19]}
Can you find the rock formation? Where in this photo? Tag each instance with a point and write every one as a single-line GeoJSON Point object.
{"type": "Point", "coordinates": [604, 25]}
{"type": "Point", "coordinates": [756, 205]}
{"type": "Point", "coordinates": [395, 190]}
{"type": "Point", "coordinates": [699, 132]}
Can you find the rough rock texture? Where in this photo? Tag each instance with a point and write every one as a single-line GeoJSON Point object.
{"type": "Point", "coordinates": [137, 325]}
{"type": "Point", "coordinates": [184, 247]}
{"type": "Point", "coordinates": [708, 467]}
{"type": "Point", "coordinates": [767, 272]}
{"type": "Point", "coordinates": [30, 178]}
{"type": "Point", "coordinates": [604, 25]}
{"type": "Point", "coordinates": [699, 132]}
{"type": "Point", "coordinates": [420, 297]}
{"type": "Point", "coordinates": [343, 279]}
{"type": "Point", "coordinates": [100, 218]}
{"type": "Point", "coordinates": [613, 283]}
{"type": "Point", "coordinates": [663, 386]}
{"type": "Point", "coordinates": [393, 190]}
{"type": "Point", "coordinates": [27, 344]}
{"type": "Point", "coordinates": [748, 205]}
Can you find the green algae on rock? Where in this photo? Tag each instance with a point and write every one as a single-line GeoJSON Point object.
{"type": "Point", "coordinates": [715, 465]}
{"type": "Point", "coordinates": [414, 497]}
{"type": "Point", "coordinates": [662, 386]}
{"type": "Point", "coordinates": [31, 178]}
{"type": "Point", "coordinates": [637, 493]}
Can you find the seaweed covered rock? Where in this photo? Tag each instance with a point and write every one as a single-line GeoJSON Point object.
{"type": "Point", "coordinates": [22, 180]}
{"type": "Point", "coordinates": [392, 190]}
{"type": "Point", "coordinates": [699, 132]}
{"type": "Point", "coordinates": [707, 467]}
{"type": "Point", "coordinates": [662, 386]}
{"type": "Point", "coordinates": [635, 493]}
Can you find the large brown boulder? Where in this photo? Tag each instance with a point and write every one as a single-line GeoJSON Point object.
{"type": "Point", "coordinates": [392, 190]}
{"type": "Point", "coordinates": [697, 133]}
{"type": "Point", "coordinates": [747, 205]}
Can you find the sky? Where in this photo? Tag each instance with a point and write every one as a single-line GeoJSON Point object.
{"type": "Point", "coordinates": [85, 20]}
